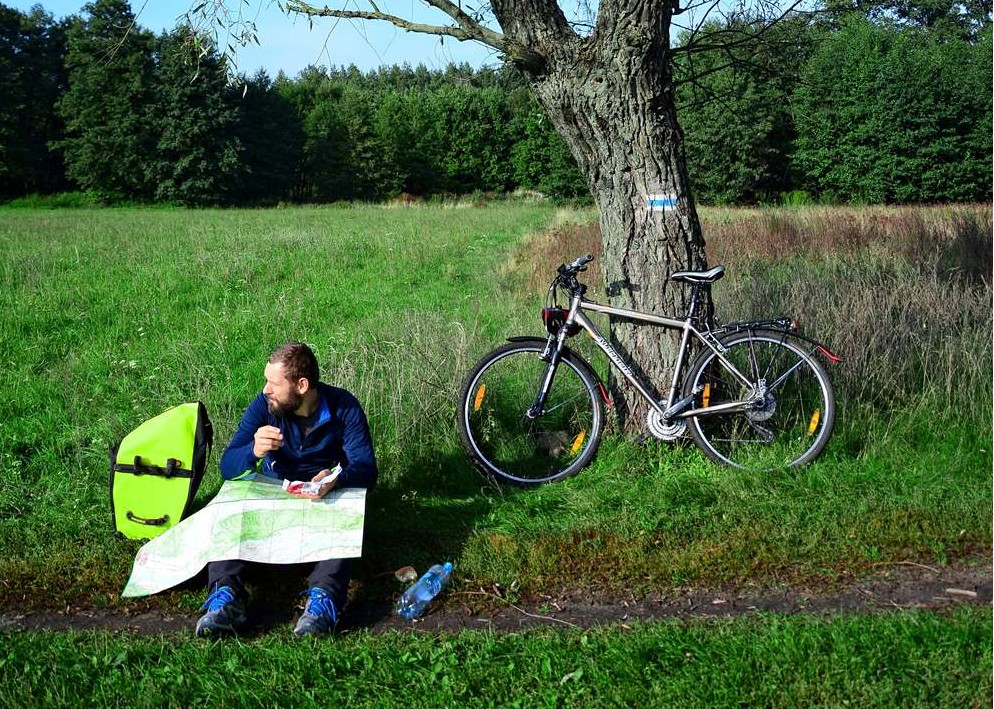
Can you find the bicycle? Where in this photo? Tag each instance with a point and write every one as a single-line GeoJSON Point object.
{"type": "Point", "coordinates": [532, 411]}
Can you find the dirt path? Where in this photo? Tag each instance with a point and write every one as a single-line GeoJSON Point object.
{"type": "Point", "coordinates": [901, 586]}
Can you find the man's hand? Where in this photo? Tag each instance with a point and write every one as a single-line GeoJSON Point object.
{"type": "Point", "coordinates": [328, 480]}
{"type": "Point", "coordinates": [267, 438]}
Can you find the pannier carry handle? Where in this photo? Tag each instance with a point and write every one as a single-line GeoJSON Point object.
{"type": "Point", "coordinates": [156, 522]}
{"type": "Point", "coordinates": [171, 465]}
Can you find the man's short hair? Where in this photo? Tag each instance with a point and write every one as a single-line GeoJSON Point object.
{"type": "Point", "coordinates": [298, 362]}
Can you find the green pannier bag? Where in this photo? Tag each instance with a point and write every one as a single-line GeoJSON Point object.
{"type": "Point", "coordinates": [156, 469]}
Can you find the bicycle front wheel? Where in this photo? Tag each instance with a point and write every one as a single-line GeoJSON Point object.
{"type": "Point", "coordinates": [793, 412]}
{"type": "Point", "coordinates": [500, 436]}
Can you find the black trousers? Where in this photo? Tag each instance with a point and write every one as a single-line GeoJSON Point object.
{"type": "Point", "coordinates": [331, 574]}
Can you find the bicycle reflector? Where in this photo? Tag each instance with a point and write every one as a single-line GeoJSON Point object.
{"type": "Point", "coordinates": [578, 442]}
{"type": "Point", "coordinates": [554, 319]}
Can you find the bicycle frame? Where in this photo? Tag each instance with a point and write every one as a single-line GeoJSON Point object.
{"type": "Point", "coordinates": [751, 394]}
{"type": "Point", "coordinates": [668, 410]}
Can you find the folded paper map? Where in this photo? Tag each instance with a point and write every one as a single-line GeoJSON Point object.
{"type": "Point", "coordinates": [256, 521]}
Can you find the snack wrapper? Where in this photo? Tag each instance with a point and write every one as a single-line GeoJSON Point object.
{"type": "Point", "coordinates": [306, 487]}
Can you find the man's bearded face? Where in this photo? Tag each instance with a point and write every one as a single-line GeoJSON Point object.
{"type": "Point", "coordinates": [282, 395]}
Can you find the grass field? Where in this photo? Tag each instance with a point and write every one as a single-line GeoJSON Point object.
{"type": "Point", "coordinates": [111, 316]}
{"type": "Point", "coordinates": [901, 660]}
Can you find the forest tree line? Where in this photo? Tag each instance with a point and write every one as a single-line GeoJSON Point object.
{"type": "Point", "coordinates": [875, 106]}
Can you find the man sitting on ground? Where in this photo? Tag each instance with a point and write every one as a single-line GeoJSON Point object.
{"type": "Point", "coordinates": [297, 428]}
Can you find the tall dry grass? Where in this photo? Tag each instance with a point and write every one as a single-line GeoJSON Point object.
{"type": "Point", "coordinates": [903, 294]}
{"type": "Point", "coordinates": [407, 383]}
{"type": "Point", "coordinates": [954, 240]}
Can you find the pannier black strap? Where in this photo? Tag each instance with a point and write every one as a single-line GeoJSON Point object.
{"type": "Point", "coordinates": [168, 471]}
{"type": "Point", "coordinates": [171, 465]}
{"type": "Point", "coordinates": [155, 522]}
{"type": "Point", "coordinates": [172, 468]}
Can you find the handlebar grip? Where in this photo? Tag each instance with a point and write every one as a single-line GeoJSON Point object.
{"type": "Point", "coordinates": [581, 262]}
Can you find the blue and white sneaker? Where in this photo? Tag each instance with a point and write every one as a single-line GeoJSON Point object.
{"type": "Point", "coordinates": [225, 614]}
{"type": "Point", "coordinates": [320, 615]}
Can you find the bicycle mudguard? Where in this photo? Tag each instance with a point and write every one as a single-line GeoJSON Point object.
{"type": "Point", "coordinates": [787, 326]}
{"type": "Point", "coordinates": [529, 338]}
{"type": "Point", "coordinates": [542, 341]}
{"type": "Point", "coordinates": [821, 347]}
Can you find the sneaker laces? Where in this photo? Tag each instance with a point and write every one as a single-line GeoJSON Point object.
{"type": "Point", "coordinates": [319, 603]}
{"type": "Point", "coordinates": [219, 599]}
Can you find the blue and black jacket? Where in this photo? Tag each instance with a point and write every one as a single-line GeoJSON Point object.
{"type": "Point", "coordinates": [338, 436]}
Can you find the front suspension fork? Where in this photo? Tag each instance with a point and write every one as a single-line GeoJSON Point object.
{"type": "Point", "coordinates": [551, 354]}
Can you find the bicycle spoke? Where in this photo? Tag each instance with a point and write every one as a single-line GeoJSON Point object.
{"type": "Point", "coordinates": [791, 415]}
{"type": "Point", "coordinates": [504, 441]}
{"type": "Point", "coordinates": [783, 377]}
{"type": "Point", "coordinates": [580, 395]}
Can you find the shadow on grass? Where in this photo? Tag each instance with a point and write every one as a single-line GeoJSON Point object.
{"type": "Point", "coordinates": [423, 516]}
{"type": "Point", "coordinates": [417, 517]}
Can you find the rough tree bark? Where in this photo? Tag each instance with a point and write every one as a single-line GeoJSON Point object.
{"type": "Point", "coordinates": [610, 95]}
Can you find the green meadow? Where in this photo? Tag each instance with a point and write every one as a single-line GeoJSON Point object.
{"type": "Point", "coordinates": [111, 316]}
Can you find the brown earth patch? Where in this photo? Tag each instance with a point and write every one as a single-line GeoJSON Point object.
{"type": "Point", "coordinates": [893, 587]}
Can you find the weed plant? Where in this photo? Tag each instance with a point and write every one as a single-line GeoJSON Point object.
{"type": "Point", "coordinates": [903, 293]}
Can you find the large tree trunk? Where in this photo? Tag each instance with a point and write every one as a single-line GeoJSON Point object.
{"type": "Point", "coordinates": [610, 96]}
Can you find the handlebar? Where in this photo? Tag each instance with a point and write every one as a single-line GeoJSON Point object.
{"type": "Point", "coordinates": [580, 264]}
{"type": "Point", "coordinates": [566, 274]}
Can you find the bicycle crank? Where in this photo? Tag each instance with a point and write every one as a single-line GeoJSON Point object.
{"type": "Point", "coordinates": [665, 430]}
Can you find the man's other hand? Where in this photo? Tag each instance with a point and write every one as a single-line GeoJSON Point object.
{"type": "Point", "coordinates": [267, 438]}
{"type": "Point", "coordinates": [328, 479]}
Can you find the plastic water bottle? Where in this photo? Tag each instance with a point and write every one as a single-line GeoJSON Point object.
{"type": "Point", "coordinates": [414, 600]}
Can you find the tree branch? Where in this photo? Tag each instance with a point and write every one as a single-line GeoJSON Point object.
{"type": "Point", "coordinates": [695, 44]}
{"type": "Point", "coordinates": [466, 28]}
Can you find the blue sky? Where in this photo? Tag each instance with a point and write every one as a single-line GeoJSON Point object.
{"type": "Point", "coordinates": [288, 43]}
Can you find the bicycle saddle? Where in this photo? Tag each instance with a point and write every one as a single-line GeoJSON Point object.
{"type": "Point", "coordinates": [709, 276]}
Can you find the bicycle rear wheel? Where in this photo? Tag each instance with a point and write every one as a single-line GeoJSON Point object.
{"type": "Point", "coordinates": [790, 425]}
{"type": "Point", "coordinates": [497, 432]}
